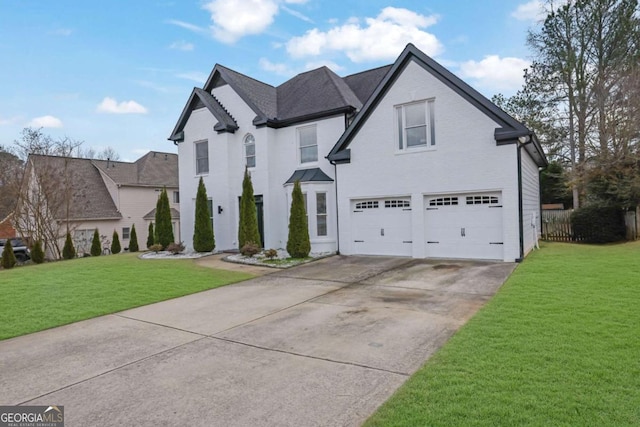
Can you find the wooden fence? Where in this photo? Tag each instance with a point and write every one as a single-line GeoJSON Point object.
{"type": "Point", "coordinates": [556, 225]}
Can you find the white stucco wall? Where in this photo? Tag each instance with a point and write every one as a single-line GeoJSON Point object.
{"type": "Point", "coordinates": [530, 201]}
{"type": "Point", "coordinates": [465, 159]}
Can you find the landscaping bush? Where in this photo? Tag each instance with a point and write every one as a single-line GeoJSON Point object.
{"type": "Point", "coordinates": [8, 257]}
{"type": "Point", "coordinates": [155, 247]}
{"type": "Point", "coordinates": [96, 249]}
{"type": "Point", "coordinates": [175, 248]}
{"type": "Point", "coordinates": [68, 251]}
{"type": "Point", "coordinates": [164, 228]}
{"type": "Point", "coordinates": [250, 249]}
{"type": "Point", "coordinates": [150, 237]}
{"type": "Point", "coordinates": [271, 253]}
{"type": "Point", "coordinates": [298, 244]}
{"type": "Point", "coordinates": [203, 237]}
{"type": "Point", "coordinates": [248, 227]}
{"type": "Point", "coordinates": [37, 253]}
{"type": "Point", "coordinates": [596, 224]}
{"type": "Point", "coordinates": [115, 243]}
{"type": "Point", "coordinates": [133, 240]}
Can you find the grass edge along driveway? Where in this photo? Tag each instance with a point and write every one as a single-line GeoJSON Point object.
{"type": "Point", "coordinates": [44, 296]}
{"type": "Point", "coordinates": [558, 345]}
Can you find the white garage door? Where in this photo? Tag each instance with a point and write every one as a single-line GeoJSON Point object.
{"type": "Point", "coordinates": [464, 226]}
{"type": "Point", "coordinates": [382, 226]}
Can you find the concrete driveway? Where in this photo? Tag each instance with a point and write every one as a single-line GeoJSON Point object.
{"type": "Point", "coordinates": [322, 344]}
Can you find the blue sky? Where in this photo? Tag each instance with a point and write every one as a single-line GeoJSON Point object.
{"type": "Point", "coordinates": [118, 73]}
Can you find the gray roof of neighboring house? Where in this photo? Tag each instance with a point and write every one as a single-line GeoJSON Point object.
{"type": "Point", "coordinates": [154, 169]}
{"type": "Point", "coordinates": [89, 196]}
{"type": "Point", "coordinates": [307, 96]}
{"type": "Point", "coordinates": [175, 214]}
{"type": "Point", "coordinates": [309, 175]}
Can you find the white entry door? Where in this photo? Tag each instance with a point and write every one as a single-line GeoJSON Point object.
{"type": "Point", "coordinates": [382, 226]}
{"type": "Point", "coordinates": [464, 226]}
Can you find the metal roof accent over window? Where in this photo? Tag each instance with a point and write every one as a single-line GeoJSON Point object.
{"type": "Point", "coordinates": [397, 203]}
{"type": "Point", "coordinates": [309, 175]}
{"type": "Point", "coordinates": [443, 201]}
{"type": "Point", "coordinates": [369, 204]}
{"type": "Point", "coordinates": [482, 200]}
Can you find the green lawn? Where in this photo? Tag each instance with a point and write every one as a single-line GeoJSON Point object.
{"type": "Point", "coordinates": [559, 345]}
{"type": "Point", "coordinates": [38, 297]}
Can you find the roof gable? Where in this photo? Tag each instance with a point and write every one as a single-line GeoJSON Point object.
{"type": "Point", "coordinates": [510, 129]}
{"type": "Point", "coordinates": [198, 99]}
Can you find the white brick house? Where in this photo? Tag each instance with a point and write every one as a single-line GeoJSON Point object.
{"type": "Point", "coordinates": [400, 160]}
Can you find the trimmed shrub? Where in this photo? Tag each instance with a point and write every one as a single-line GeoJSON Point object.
{"type": "Point", "coordinates": [298, 244]}
{"type": "Point", "coordinates": [133, 240]}
{"type": "Point", "coordinates": [175, 248]}
{"type": "Point", "coordinates": [271, 253]}
{"type": "Point", "coordinates": [203, 237]}
{"type": "Point", "coordinates": [115, 243]}
{"type": "Point", "coordinates": [151, 236]}
{"type": "Point", "coordinates": [8, 257]}
{"type": "Point", "coordinates": [248, 227]}
{"type": "Point", "coordinates": [96, 249]}
{"type": "Point", "coordinates": [37, 253]}
{"type": "Point", "coordinates": [68, 252]}
{"type": "Point", "coordinates": [155, 247]}
{"type": "Point", "coordinates": [164, 228]}
{"type": "Point", "coordinates": [596, 224]}
{"type": "Point", "coordinates": [250, 249]}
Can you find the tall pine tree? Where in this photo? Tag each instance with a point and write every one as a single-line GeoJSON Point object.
{"type": "Point", "coordinates": [164, 228]}
{"type": "Point", "coordinates": [133, 240]}
{"type": "Point", "coordinates": [248, 227]}
{"type": "Point", "coordinates": [8, 257]}
{"type": "Point", "coordinates": [298, 244]}
{"type": "Point", "coordinates": [115, 243]}
{"type": "Point", "coordinates": [96, 250]}
{"type": "Point", "coordinates": [68, 252]}
{"type": "Point", "coordinates": [203, 237]}
{"type": "Point", "coordinates": [151, 236]}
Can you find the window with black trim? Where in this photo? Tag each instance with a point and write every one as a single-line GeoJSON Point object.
{"type": "Point", "coordinates": [176, 197]}
{"type": "Point", "coordinates": [397, 204]}
{"type": "Point", "coordinates": [443, 201]}
{"type": "Point", "coordinates": [369, 204]}
{"type": "Point", "coordinates": [415, 125]}
{"type": "Point", "coordinates": [202, 157]}
{"type": "Point", "coordinates": [308, 144]}
{"type": "Point", "coordinates": [250, 151]}
{"type": "Point", "coordinates": [125, 233]}
{"type": "Point", "coordinates": [482, 200]}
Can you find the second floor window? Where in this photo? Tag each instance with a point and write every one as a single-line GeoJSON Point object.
{"type": "Point", "coordinates": [308, 144]}
{"type": "Point", "coordinates": [250, 151]}
{"type": "Point", "coordinates": [176, 197]}
{"type": "Point", "coordinates": [202, 157]}
{"type": "Point", "coordinates": [415, 125]}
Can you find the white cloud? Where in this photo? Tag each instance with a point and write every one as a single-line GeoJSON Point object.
{"type": "Point", "coordinates": [187, 26]}
{"type": "Point", "coordinates": [276, 68]}
{"type": "Point", "coordinates": [493, 72]}
{"type": "Point", "coordinates": [380, 38]}
{"type": "Point", "coordinates": [111, 106]}
{"type": "Point", "coordinates": [181, 45]}
{"type": "Point", "coordinates": [530, 11]}
{"type": "Point", "coordinates": [297, 14]}
{"type": "Point", "coordinates": [45, 122]}
{"type": "Point", "coordinates": [312, 65]}
{"type": "Point", "coordinates": [195, 76]}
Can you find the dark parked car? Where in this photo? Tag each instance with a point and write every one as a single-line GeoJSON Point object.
{"type": "Point", "coordinates": [20, 250]}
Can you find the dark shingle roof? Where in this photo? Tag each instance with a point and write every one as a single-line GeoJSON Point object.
{"type": "Point", "coordinates": [90, 198]}
{"type": "Point", "coordinates": [175, 214]}
{"type": "Point", "coordinates": [153, 169]}
{"type": "Point", "coordinates": [309, 175]}
{"type": "Point", "coordinates": [364, 83]}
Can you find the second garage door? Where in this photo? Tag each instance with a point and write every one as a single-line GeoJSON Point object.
{"type": "Point", "coordinates": [381, 226]}
{"type": "Point", "coordinates": [464, 226]}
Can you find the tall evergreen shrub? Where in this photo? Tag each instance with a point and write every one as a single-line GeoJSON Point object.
{"type": "Point", "coordinates": [151, 236]}
{"type": "Point", "coordinates": [133, 240]}
{"type": "Point", "coordinates": [164, 229]}
{"type": "Point", "coordinates": [298, 244]}
{"type": "Point", "coordinates": [68, 251]}
{"type": "Point", "coordinates": [37, 253]}
{"type": "Point", "coordinates": [115, 243]}
{"type": "Point", "coordinates": [96, 249]}
{"type": "Point", "coordinates": [8, 257]}
{"type": "Point", "coordinates": [203, 237]}
{"type": "Point", "coordinates": [248, 227]}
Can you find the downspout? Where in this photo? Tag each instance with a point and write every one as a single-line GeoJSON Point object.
{"type": "Point", "coordinates": [335, 174]}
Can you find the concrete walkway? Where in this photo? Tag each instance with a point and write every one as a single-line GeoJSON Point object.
{"type": "Point", "coordinates": [323, 344]}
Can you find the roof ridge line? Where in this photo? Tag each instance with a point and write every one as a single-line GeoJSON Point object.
{"type": "Point", "coordinates": [331, 73]}
{"type": "Point", "coordinates": [244, 75]}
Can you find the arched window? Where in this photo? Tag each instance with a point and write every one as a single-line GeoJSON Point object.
{"type": "Point", "coordinates": [250, 151]}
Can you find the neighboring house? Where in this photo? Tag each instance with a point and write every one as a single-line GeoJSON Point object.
{"type": "Point", "coordinates": [7, 231]}
{"type": "Point", "coordinates": [102, 194]}
{"type": "Point", "coordinates": [404, 160]}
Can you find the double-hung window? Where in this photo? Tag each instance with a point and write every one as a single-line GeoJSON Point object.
{"type": "Point", "coordinates": [250, 151]}
{"type": "Point", "coordinates": [308, 144]}
{"type": "Point", "coordinates": [415, 125]}
{"type": "Point", "coordinates": [126, 233]}
{"type": "Point", "coordinates": [202, 157]}
{"type": "Point", "coordinates": [321, 214]}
